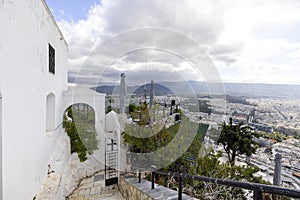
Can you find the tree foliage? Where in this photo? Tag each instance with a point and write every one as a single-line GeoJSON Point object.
{"type": "Point", "coordinates": [145, 136]}
{"type": "Point", "coordinates": [210, 166]}
{"type": "Point", "coordinates": [188, 158]}
{"type": "Point", "coordinates": [80, 127]}
{"type": "Point", "coordinates": [237, 139]}
{"type": "Point", "coordinates": [140, 113]}
{"type": "Point", "coordinates": [139, 141]}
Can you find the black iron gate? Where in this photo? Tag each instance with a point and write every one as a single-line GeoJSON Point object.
{"type": "Point", "coordinates": [111, 162]}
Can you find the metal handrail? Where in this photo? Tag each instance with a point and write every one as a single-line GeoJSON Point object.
{"type": "Point", "coordinates": [257, 188]}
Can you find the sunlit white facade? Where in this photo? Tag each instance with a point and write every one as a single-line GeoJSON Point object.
{"type": "Point", "coordinates": [31, 94]}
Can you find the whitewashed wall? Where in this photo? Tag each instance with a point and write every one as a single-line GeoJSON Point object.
{"type": "Point", "coordinates": [26, 29]}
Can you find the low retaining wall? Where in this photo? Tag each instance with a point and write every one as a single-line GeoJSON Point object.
{"type": "Point", "coordinates": [131, 189]}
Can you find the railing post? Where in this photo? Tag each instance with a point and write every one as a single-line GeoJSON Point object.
{"type": "Point", "coordinates": [140, 176]}
{"type": "Point", "coordinates": [152, 180]}
{"type": "Point", "coordinates": [258, 195]}
{"type": "Point", "coordinates": [180, 187]}
{"type": "Point", "coordinates": [258, 189]}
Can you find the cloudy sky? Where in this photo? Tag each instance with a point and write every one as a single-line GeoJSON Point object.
{"type": "Point", "coordinates": [255, 41]}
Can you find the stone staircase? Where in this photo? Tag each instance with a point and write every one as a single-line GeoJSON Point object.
{"type": "Point", "coordinates": [93, 188]}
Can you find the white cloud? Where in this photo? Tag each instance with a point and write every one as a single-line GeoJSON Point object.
{"type": "Point", "coordinates": [228, 30]}
{"type": "Point", "coordinates": [265, 61]}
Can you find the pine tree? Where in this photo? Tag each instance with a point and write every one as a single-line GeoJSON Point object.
{"type": "Point", "coordinates": [236, 140]}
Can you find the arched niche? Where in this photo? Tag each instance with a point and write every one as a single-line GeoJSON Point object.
{"type": "Point", "coordinates": [50, 112]}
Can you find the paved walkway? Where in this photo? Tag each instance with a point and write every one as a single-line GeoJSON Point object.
{"type": "Point", "coordinates": [93, 188]}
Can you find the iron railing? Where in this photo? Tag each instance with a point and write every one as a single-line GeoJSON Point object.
{"type": "Point", "coordinates": [258, 189]}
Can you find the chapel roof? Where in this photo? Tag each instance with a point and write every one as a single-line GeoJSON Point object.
{"type": "Point", "coordinates": [54, 21]}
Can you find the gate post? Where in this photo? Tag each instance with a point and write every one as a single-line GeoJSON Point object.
{"type": "Point", "coordinates": [258, 195]}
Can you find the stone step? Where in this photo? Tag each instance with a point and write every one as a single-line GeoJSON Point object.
{"type": "Point", "coordinates": [89, 190]}
{"type": "Point", "coordinates": [112, 196]}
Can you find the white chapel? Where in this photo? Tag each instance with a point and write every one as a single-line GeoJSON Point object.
{"type": "Point", "coordinates": [34, 95]}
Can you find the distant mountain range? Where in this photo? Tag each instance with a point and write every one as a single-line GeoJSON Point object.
{"type": "Point", "coordinates": [137, 90]}
{"type": "Point", "coordinates": [200, 88]}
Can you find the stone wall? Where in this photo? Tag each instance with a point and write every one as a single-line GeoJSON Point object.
{"type": "Point", "coordinates": [68, 171]}
{"type": "Point", "coordinates": [131, 189]}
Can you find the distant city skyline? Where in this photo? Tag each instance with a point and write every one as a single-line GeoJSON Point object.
{"type": "Point", "coordinates": [248, 42]}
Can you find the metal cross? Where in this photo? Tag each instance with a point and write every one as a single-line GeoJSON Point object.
{"type": "Point", "coordinates": [113, 142]}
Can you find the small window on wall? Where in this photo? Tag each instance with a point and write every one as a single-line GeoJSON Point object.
{"type": "Point", "coordinates": [51, 59]}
